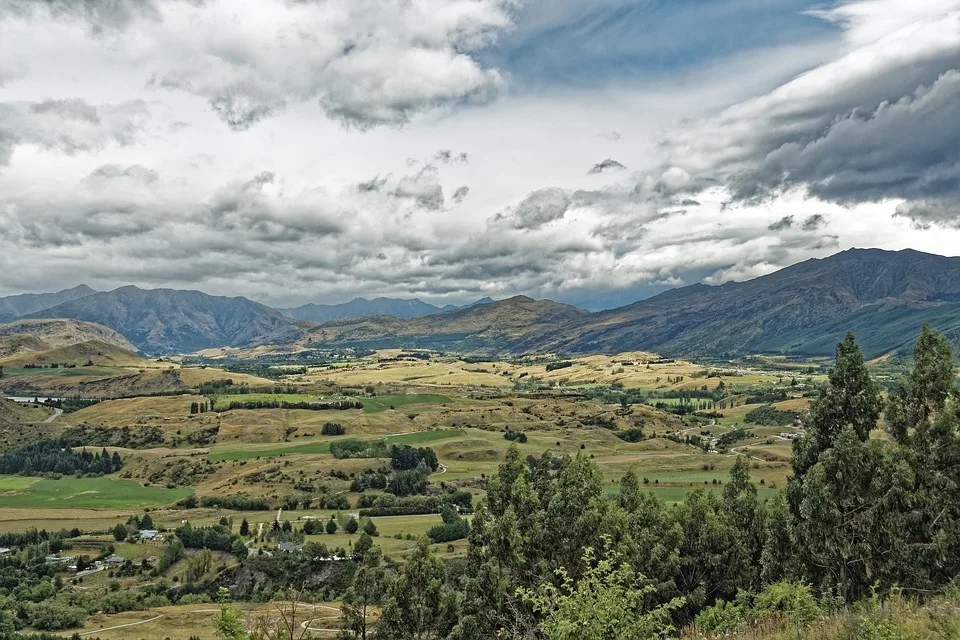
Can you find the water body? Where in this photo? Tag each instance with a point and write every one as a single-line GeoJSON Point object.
{"type": "Point", "coordinates": [32, 399]}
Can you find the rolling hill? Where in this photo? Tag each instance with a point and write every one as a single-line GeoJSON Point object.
{"type": "Point", "coordinates": [494, 326]}
{"type": "Point", "coordinates": [12, 307]}
{"type": "Point", "coordinates": [64, 342]}
{"type": "Point", "coordinates": [24, 337]}
{"type": "Point", "coordinates": [883, 296]}
{"type": "Point", "coordinates": [174, 321]}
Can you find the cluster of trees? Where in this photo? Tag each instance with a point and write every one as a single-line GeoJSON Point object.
{"type": "Point", "coordinates": [200, 407]}
{"type": "Point", "coordinates": [403, 457]}
{"type": "Point", "coordinates": [50, 456]}
{"type": "Point", "coordinates": [770, 415]}
{"type": "Point", "coordinates": [552, 556]}
{"type": "Point", "coordinates": [563, 364]}
{"type": "Point", "coordinates": [339, 405]}
{"type": "Point", "coordinates": [353, 448]}
{"type": "Point", "coordinates": [216, 387]}
{"type": "Point", "coordinates": [138, 437]}
{"type": "Point", "coordinates": [332, 429]}
{"type": "Point", "coordinates": [389, 505]}
{"type": "Point", "coordinates": [453, 528]}
{"type": "Point", "coordinates": [217, 537]}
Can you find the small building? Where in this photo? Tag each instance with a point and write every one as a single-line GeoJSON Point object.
{"type": "Point", "coordinates": [148, 534]}
{"type": "Point", "coordinates": [4, 551]}
{"type": "Point", "coordinates": [287, 547]}
{"type": "Point", "coordinates": [59, 559]}
{"type": "Point", "coordinates": [114, 561]}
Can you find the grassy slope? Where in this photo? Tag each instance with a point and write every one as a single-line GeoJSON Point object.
{"type": "Point", "coordinates": [78, 493]}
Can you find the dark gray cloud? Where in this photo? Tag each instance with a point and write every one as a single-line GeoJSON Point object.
{"type": "Point", "coordinates": [606, 165]}
{"type": "Point", "coordinates": [924, 214]}
{"type": "Point", "coordinates": [241, 111]}
{"type": "Point", "coordinates": [814, 222]}
{"type": "Point", "coordinates": [541, 207]}
{"type": "Point", "coordinates": [784, 223]}
{"type": "Point", "coordinates": [847, 132]}
{"type": "Point", "coordinates": [460, 194]}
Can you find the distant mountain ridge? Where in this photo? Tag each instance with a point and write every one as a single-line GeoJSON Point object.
{"type": "Point", "coordinates": [12, 307]}
{"type": "Point", "coordinates": [882, 296]}
{"type": "Point", "coordinates": [805, 309]}
{"type": "Point", "coordinates": [175, 321]}
{"type": "Point", "coordinates": [402, 308]}
{"type": "Point", "coordinates": [498, 325]}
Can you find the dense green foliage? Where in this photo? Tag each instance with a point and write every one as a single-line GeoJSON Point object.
{"type": "Point", "coordinates": [50, 456]}
{"type": "Point", "coordinates": [771, 416]}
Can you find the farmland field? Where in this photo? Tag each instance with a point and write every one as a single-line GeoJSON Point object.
{"type": "Point", "coordinates": [78, 493]}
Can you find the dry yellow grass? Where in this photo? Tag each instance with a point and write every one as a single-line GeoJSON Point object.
{"type": "Point", "coordinates": [134, 410]}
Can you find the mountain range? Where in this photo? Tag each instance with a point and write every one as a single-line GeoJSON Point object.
{"type": "Point", "coordinates": [170, 320]}
{"type": "Point", "coordinates": [804, 309]}
{"type": "Point", "coordinates": [405, 309]}
{"type": "Point", "coordinates": [13, 307]}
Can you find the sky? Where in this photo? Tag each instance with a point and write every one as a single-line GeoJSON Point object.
{"type": "Point", "coordinates": [595, 153]}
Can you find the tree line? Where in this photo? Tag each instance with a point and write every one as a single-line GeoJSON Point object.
{"type": "Point", "coordinates": [52, 456]}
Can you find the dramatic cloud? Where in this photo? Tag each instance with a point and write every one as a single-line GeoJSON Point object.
{"type": "Point", "coordinates": [365, 62]}
{"type": "Point", "coordinates": [877, 123]}
{"type": "Point", "coordinates": [315, 150]}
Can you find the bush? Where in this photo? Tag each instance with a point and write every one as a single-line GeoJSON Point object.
{"type": "Point", "coordinates": [54, 616]}
{"type": "Point", "coordinates": [630, 435]}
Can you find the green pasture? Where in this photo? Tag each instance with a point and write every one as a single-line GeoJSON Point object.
{"type": "Point", "coordinates": [377, 404]}
{"type": "Point", "coordinates": [105, 492]}
{"type": "Point", "coordinates": [222, 402]}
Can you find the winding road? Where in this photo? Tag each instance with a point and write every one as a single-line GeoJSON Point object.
{"type": "Point", "coordinates": [56, 414]}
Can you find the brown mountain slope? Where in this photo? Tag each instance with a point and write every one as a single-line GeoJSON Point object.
{"type": "Point", "coordinates": [496, 326]}
{"type": "Point", "coordinates": [31, 336]}
{"type": "Point", "coordinates": [882, 296]}
{"type": "Point", "coordinates": [95, 351]}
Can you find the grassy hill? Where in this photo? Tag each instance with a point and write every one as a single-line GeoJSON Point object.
{"type": "Point", "coordinates": [31, 336]}
{"type": "Point", "coordinates": [493, 327]}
